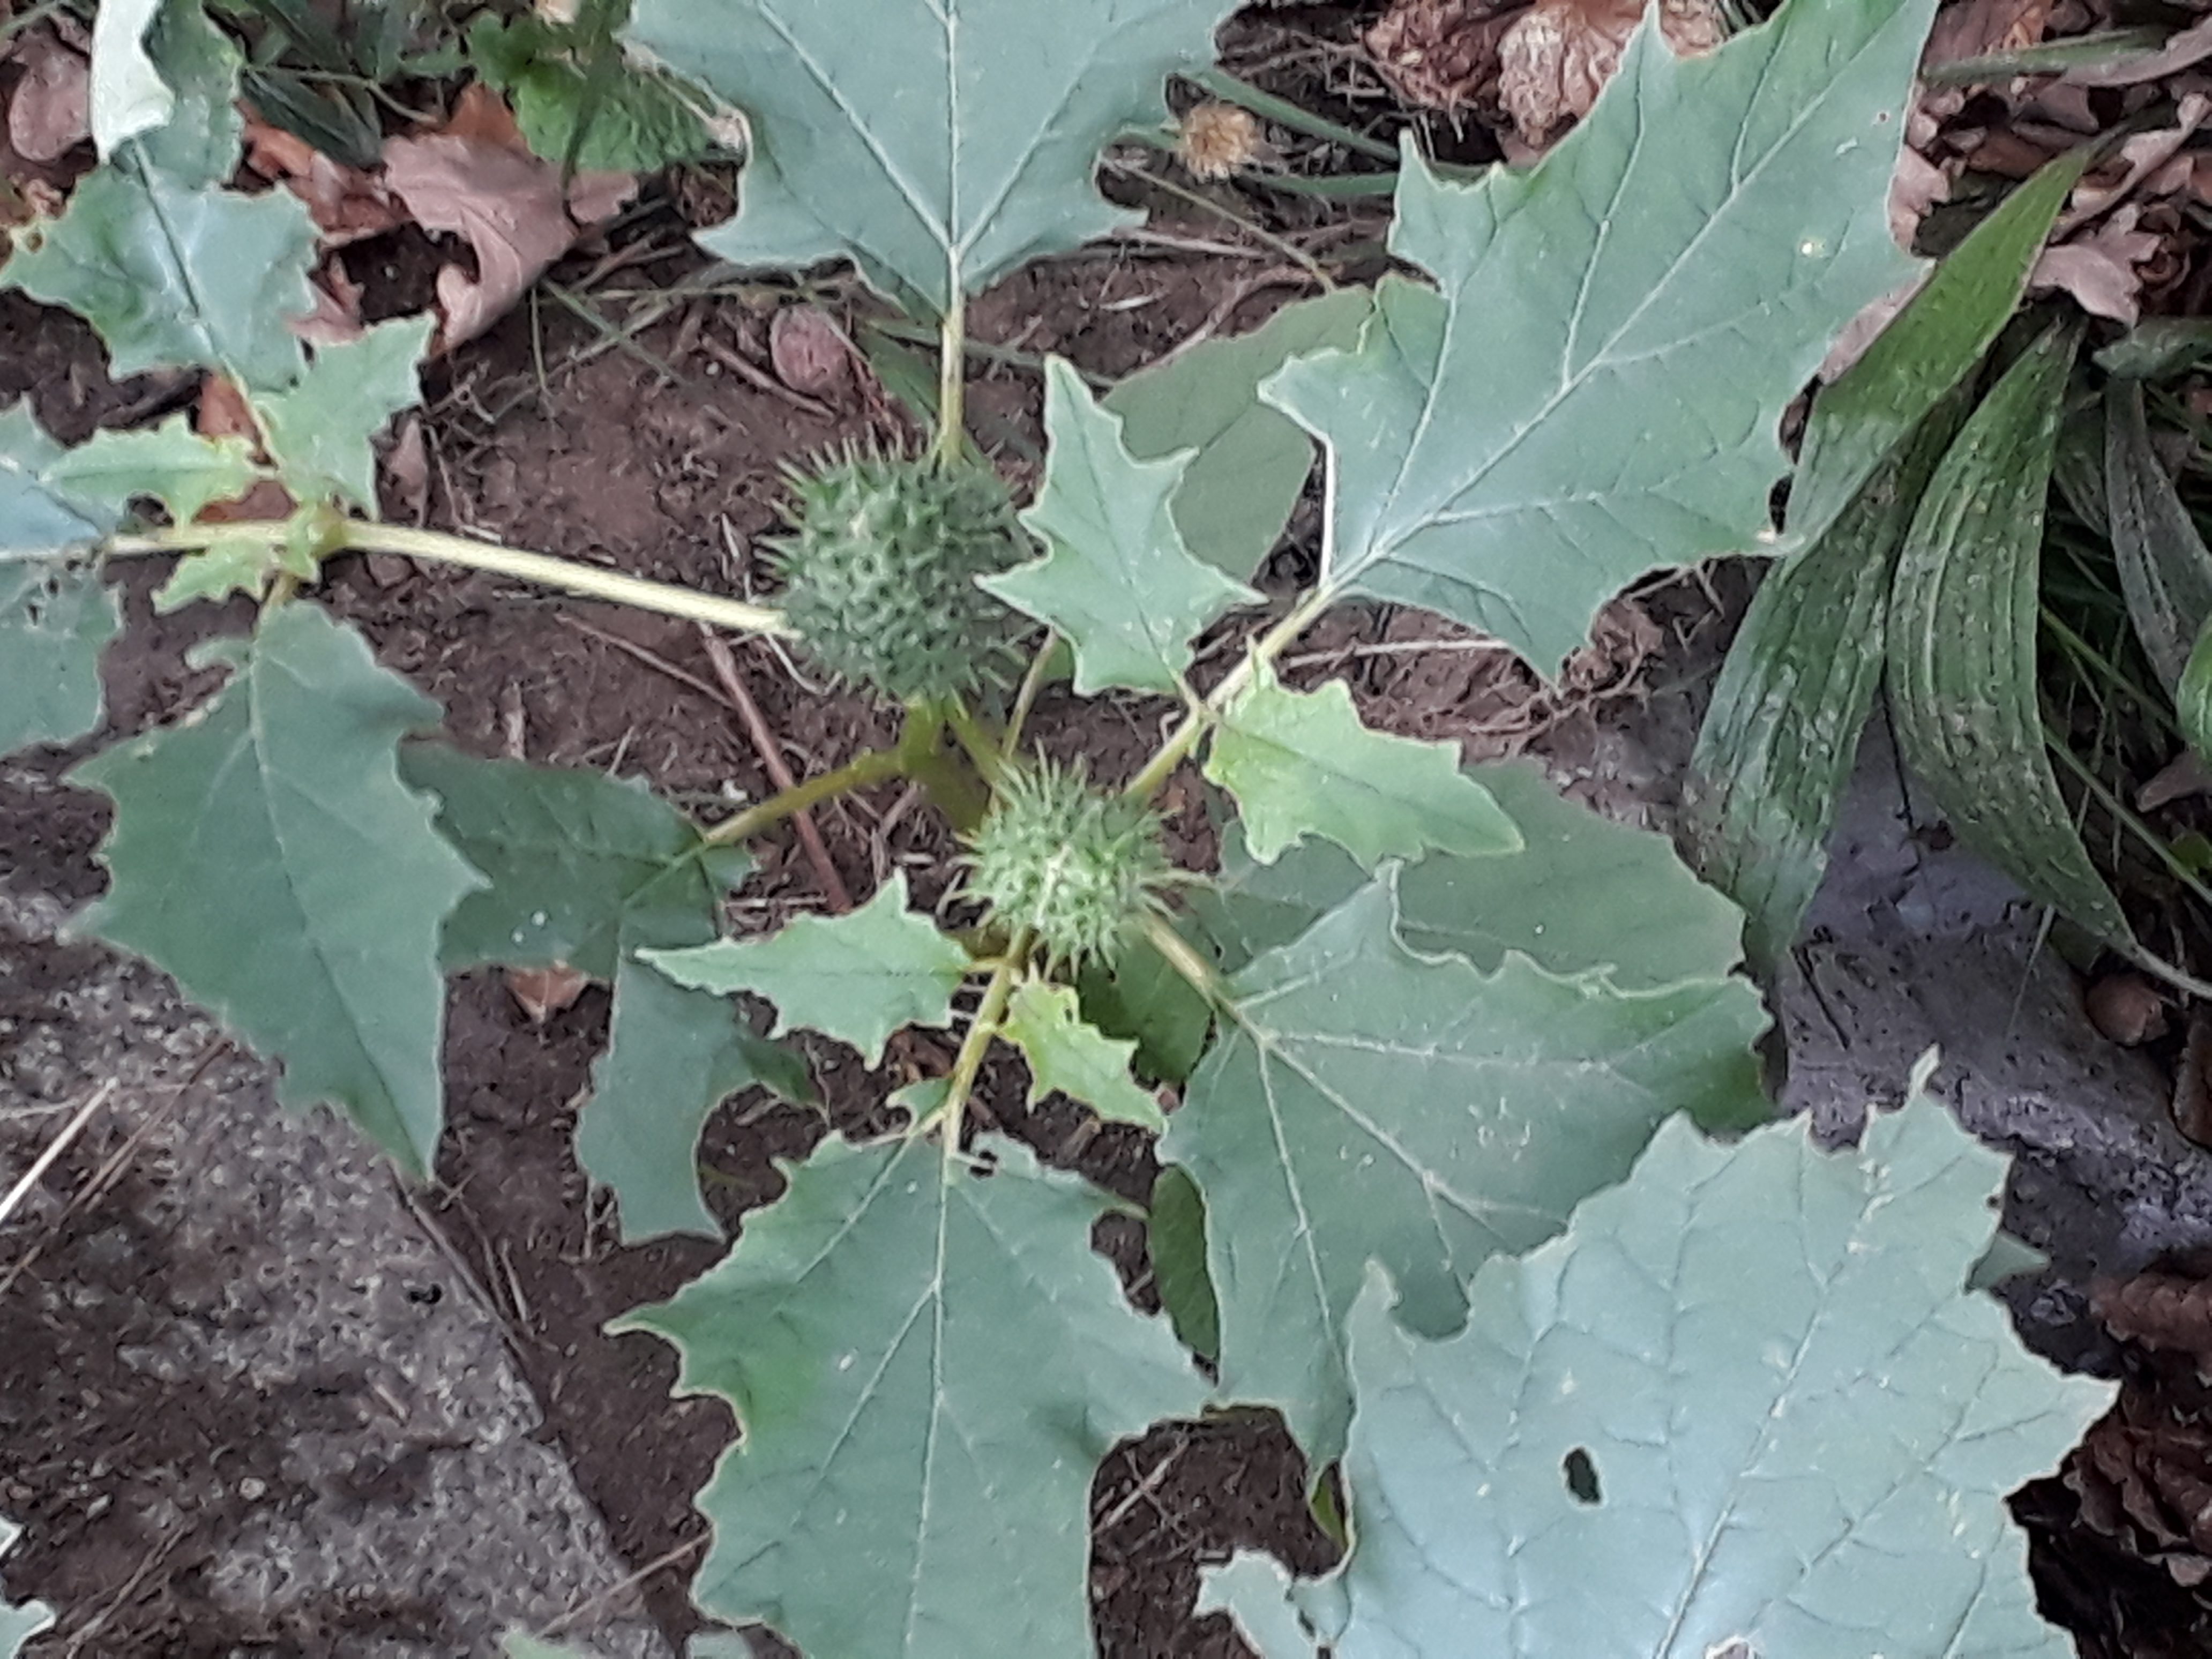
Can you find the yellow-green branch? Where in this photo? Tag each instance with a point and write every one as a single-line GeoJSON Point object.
{"type": "Point", "coordinates": [545, 570]}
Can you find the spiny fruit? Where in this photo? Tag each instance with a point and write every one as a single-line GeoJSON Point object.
{"type": "Point", "coordinates": [879, 573]}
{"type": "Point", "coordinates": [1077, 868]}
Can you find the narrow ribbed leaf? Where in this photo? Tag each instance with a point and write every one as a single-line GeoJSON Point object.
{"type": "Point", "coordinates": [2165, 570]}
{"type": "Point", "coordinates": [1783, 729]}
{"type": "Point", "coordinates": [1962, 634]}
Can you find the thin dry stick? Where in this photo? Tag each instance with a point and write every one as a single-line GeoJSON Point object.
{"type": "Point", "coordinates": [111, 1171]}
{"type": "Point", "coordinates": [55, 1148]}
{"type": "Point", "coordinates": [681, 676]}
{"type": "Point", "coordinates": [763, 741]}
{"type": "Point", "coordinates": [600, 1598]}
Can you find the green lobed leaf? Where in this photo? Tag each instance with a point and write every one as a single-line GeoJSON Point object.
{"type": "Point", "coordinates": [587, 870]}
{"type": "Point", "coordinates": [240, 558]}
{"type": "Point", "coordinates": [673, 1055]}
{"type": "Point", "coordinates": [1115, 581]}
{"type": "Point", "coordinates": [1798, 1424]}
{"type": "Point", "coordinates": [196, 143]}
{"type": "Point", "coordinates": [44, 510]}
{"type": "Point", "coordinates": [1304, 763]}
{"type": "Point", "coordinates": [574, 860]}
{"type": "Point", "coordinates": [1782, 731]}
{"type": "Point", "coordinates": [1583, 893]}
{"type": "Point", "coordinates": [19, 1620]}
{"type": "Point", "coordinates": [1926, 351]}
{"type": "Point", "coordinates": [1260, 1598]}
{"type": "Point", "coordinates": [1962, 632]}
{"type": "Point", "coordinates": [2165, 570]}
{"type": "Point", "coordinates": [1068, 1056]}
{"type": "Point", "coordinates": [939, 143]}
{"type": "Point", "coordinates": [319, 428]}
{"type": "Point", "coordinates": [1249, 463]}
{"type": "Point", "coordinates": [55, 620]}
{"type": "Point", "coordinates": [127, 96]}
{"type": "Point", "coordinates": [265, 854]}
{"type": "Point", "coordinates": [928, 1366]}
{"type": "Point", "coordinates": [636, 123]}
{"type": "Point", "coordinates": [1369, 1103]}
{"type": "Point", "coordinates": [1175, 1239]}
{"type": "Point", "coordinates": [177, 276]}
{"type": "Point", "coordinates": [1595, 388]}
{"type": "Point", "coordinates": [169, 463]}
{"type": "Point", "coordinates": [1143, 997]}
{"type": "Point", "coordinates": [857, 977]}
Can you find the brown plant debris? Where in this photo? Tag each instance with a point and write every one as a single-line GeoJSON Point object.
{"type": "Point", "coordinates": [1558, 55]}
{"type": "Point", "coordinates": [1215, 139]}
{"type": "Point", "coordinates": [2171, 1312]}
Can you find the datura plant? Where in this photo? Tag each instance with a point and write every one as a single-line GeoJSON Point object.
{"type": "Point", "coordinates": [1466, 1170]}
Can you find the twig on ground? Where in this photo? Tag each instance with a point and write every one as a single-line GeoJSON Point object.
{"type": "Point", "coordinates": [599, 1598]}
{"type": "Point", "coordinates": [111, 1171]}
{"type": "Point", "coordinates": [55, 1148]}
{"type": "Point", "coordinates": [778, 773]}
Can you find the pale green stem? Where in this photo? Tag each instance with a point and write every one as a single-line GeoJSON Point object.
{"type": "Point", "coordinates": [870, 766]}
{"type": "Point", "coordinates": [977, 742]}
{"type": "Point", "coordinates": [1186, 737]}
{"type": "Point", "coordinates": [1202, 974]}
{"type": "Point", "coordinates": [543, 568]}
{"type": "Point", "coordinates": [990, 1013]}
{"type": "Point", "coordinates": [1025, 699]}
{"type": "Point", "coordinates": [953, 378]}
{"type": "Point", "coordinates": [921, 759]}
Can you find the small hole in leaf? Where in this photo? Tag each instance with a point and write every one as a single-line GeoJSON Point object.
{"type": "Point", "coordinates": [1582, 1476]}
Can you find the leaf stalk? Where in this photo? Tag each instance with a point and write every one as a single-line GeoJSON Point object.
{"type": "Point", "coordinates": [869, 767]}
{"type": "Point", "coordinates": [569, 575]}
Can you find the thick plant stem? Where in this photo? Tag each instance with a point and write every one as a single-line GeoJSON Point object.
{"type": "Point", "coordinates": [922, 757]}
{"type": "Point", "coordinates": [952, 381]}
{"type": "Point", "coordinates": [968, 1063]}
{"type": "Point", "coordinates": [976, 740]}
{"type": "Point", "coordinates": [589, 581]}
{"type": "Point", "coordinates": [1195, 725]}
{"type": "Point", "coordinates": [870, 766]}
{"type": "Point", "coordinates": [1202, 974]}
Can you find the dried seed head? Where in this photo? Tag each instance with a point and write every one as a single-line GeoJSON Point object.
{"type": "Point", "coordinates": [879, 573]}
{"type": "Point", "coordinates": [1216, 139]}
{"type": "Point", "coordinates": [1080, 869]}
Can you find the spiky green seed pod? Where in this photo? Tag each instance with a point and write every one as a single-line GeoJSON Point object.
{"type": "Point", "coordinates": [1080, 869]}
{"type": "Point", "coordinates": [879, 573]}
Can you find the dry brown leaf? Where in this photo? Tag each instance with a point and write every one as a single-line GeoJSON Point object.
{"type": "Point", "coordinates": [810, 352]}
{"type": "Point", "coordinates": [2100, 269]}
{"type": "Point", "coordinates": [2182, 776]}
{"type": "Point", "coordinates": [2126, 1008]}
{"type": "Point", "coordinates": [2192, 1082]}
{"type": "Point", "coordinates": [337, 316]}
{"type": "Point", "coordinates": [478, 179]}
{"type": "Point", "coordinates": [1864, 329]}
{"type": "Point", "coordinates": [2165, 1311]}
{"type": "Point", "coordinates": [542, 993]}
{"type": "Point", "coordinates": [224, 412]}
{"type": "Point", "coordinates": [50, 112]}
{"type": "Point", "coordinates": [346, 203]}
{"type": "Point", "coordinates": [1438, 54]}
{"type": "Point", "coordinates": [1975, 28]}
{"type": "Point", "coordinates": [1558, 55]}
{"type": "Point", "coordinates": [407, 473]}
{"type": "Point", "coordinates": [2191, 45]}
